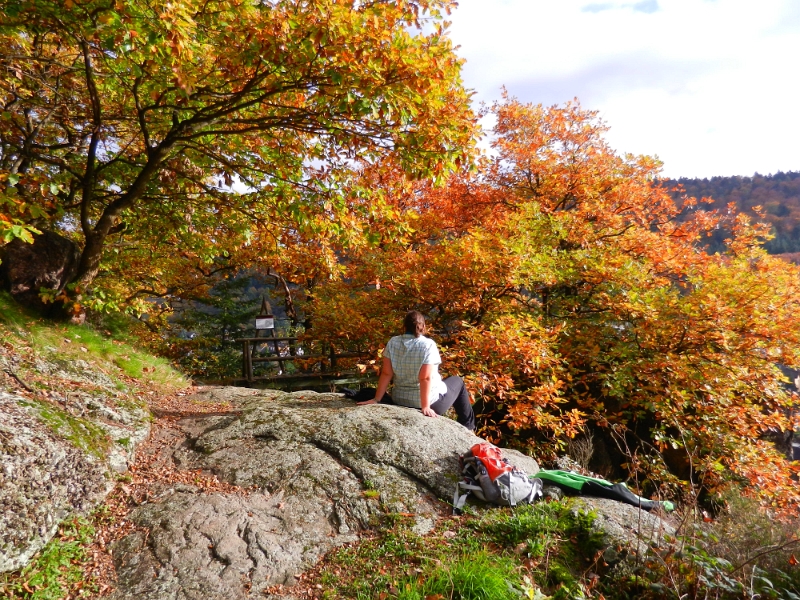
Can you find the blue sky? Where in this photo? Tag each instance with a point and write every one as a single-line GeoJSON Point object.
{"type": "Point", "coordinates": [711, 87]}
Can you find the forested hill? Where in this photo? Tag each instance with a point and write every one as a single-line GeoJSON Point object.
{"type": "Point", "coordinates": [778, 194]}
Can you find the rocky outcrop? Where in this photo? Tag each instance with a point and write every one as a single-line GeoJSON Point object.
{"type": "Point", "coordinates": [314, 469]}
{"type": "Point", "coordinates": [43, 479]}
{"type": "Point", "coordinates": [50, 262]}
{"type": "Point", "coordinates": [59, 451]}
{"type": "Point", "coordinates": [310, 472]}
{"type": "Point", "coordinates": [626, 531]}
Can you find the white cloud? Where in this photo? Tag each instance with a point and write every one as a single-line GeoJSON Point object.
{"type": "Point", "coordinates": [597, 7]}
{"type": "Point", "coordinates": [710, 87]}
{"type": "Point", "coordinates": [645, 6]}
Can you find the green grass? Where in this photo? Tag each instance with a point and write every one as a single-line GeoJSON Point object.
{"type": "Point", "coordinates": [475, 577]}
{"type": "Point", "coordinates": [113, 347]}
{"type": "Point", "coordinates": [57, 570]}
{"type": "Point", "coordinates": [495, 554]}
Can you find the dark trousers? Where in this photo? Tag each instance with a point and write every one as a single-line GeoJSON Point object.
{"type": "Point", "coordinates": [457, 396]}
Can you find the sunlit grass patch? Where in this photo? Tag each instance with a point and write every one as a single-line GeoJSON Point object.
{"type": "Point", "coordinates": [473, 577]}
{"type": "Point", "coordinates": [495, 553]}
{"type": "Point", "coordinates": [111, 349]}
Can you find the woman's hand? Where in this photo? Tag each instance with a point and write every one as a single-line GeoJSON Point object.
{"type": "Point", "coordinates": [383, 383]}
{"type": "Point", "coordinates": [428, 412]}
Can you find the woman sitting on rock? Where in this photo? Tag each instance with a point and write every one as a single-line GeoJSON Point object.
{"type": "Point", "coordinates": [413, 361]}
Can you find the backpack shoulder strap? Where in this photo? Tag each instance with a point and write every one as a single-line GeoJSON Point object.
{"type": "Point", "coordinates": [459, 499]}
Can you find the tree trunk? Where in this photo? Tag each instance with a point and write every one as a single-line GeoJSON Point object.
{"type": "Point", "coordinates": [89, 260]}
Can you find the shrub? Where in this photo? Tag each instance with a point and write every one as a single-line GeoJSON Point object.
{"type": "Point", "coordinates": [745, 553]}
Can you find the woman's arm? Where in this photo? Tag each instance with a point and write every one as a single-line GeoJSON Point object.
{"type": "Point", "coordinates": [425, 373]}
{"type": "Point", "coordinates": [383, 381]}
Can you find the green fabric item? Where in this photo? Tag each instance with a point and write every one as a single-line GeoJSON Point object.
{"type": "Point", "coordinates": [569, 479]}
{"type": "Point", "coordinates": [592, 486]}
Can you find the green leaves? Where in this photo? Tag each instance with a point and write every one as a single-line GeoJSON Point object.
{"type": "Point", "coordinates": [16, 230]}
{"type": "Point", "coordinates": [156, 104]}
{"type": "Point", "coordinates": [14, 212]}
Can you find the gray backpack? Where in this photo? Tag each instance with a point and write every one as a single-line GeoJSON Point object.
{"type": "Point", "coordinates": [485, 473]}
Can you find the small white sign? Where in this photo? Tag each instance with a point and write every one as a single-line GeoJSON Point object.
{"type": "Point", "coordinates": [265, 323]}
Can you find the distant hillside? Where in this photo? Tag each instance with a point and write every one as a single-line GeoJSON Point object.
{"type": "Point", "coordinates": [778, 194]}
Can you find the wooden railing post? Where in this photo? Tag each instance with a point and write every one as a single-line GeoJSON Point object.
{"type": "Point", "coordinates": [248, 361]}
{"type": "Point", "coordinates": [278, 353]}
{"type": "Point", "coordinates": [333, 358]}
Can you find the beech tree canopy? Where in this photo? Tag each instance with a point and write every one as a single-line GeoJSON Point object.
{"type": "Point", "coordinates": [196, 123]}
{"type": "Point", "coordinates": [563, 283]}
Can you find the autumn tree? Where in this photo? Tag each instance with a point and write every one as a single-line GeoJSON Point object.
{"type": "Point", "coordinates": [561, 282]}
{"type": "Point", "coordinates": [671, 351]}
{"type": "Point", "coordinates": [173, 134]}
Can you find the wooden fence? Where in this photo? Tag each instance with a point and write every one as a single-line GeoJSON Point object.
{"type": "Point", "coordinates": [287, 350]}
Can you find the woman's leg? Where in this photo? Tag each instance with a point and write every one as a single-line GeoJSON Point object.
{"type": "Point", "coordinates": [457, 396]}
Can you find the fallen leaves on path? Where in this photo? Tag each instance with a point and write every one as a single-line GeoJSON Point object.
{"type": "Point", "coordinates": [152, 472]}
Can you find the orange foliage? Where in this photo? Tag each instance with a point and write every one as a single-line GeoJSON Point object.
{"type": "Point", "coordinates": [139, 128]}
{"type": "Point", "coordinates": [561, 284]}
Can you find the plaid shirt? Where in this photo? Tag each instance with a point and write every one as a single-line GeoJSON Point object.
{"type": "Point", "coordinates": [407, 355]}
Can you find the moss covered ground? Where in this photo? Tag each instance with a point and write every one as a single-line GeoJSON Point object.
{"type": "Point", "coordinates": [47, 365]}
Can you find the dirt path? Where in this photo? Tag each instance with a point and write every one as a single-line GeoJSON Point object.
{"type": "Point", "coordinates": [153, 472]}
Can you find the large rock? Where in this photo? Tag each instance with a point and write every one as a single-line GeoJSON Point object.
{"type": "Point", "coordinates": [314, 471]}
{"type": "Point", "coordinates": [319, 469]}
{"type": "Point", "coordinates": [59, 451]}
{"type": "Point", "coordinates": [627, 531]}
{"type": "Point", "coordinates": [43, 479]}
{"type": "Point", "coordinates": [50, 262]}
